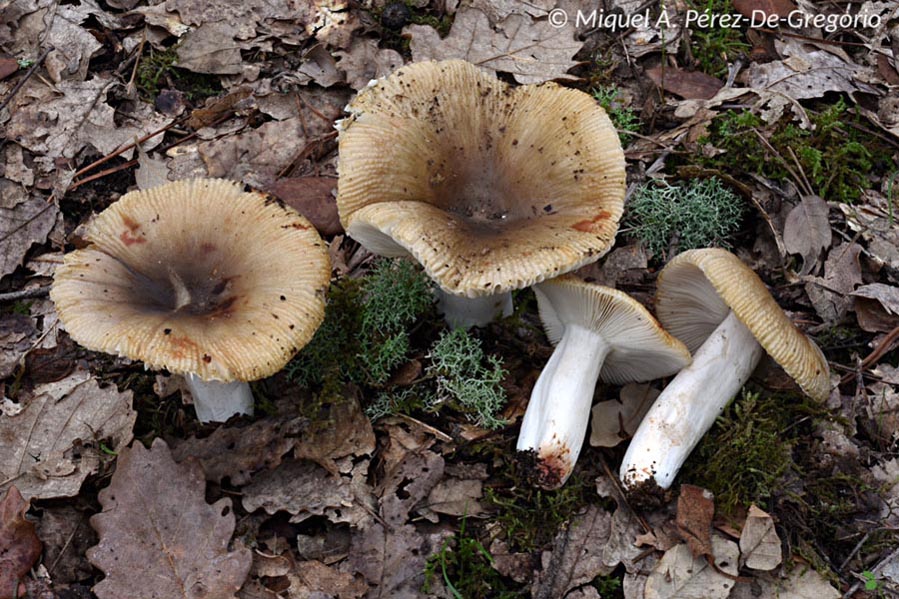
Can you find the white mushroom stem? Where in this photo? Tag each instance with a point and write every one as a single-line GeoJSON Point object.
{"type": "Point", "coordinates": [556, 419]}
{"type": "Point", "coordinates": [216, 401]}
{"type": "Point", "coordinates": [461, 311]}
{"type": "Point", "coordinates": [689, 405]}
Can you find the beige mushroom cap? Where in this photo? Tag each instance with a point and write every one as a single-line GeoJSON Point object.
{"type": "Point", "coordinates": [698, 288]}
{"type": "Point", "coordinates": [491, 188]}
{"type": "Point", "coordinates": [641, 350]}
{"type": "Point", "coordinates": [196, 276]}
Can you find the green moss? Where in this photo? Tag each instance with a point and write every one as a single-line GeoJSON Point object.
{"type": "Point", "coordinates": [158, 67]}
{"type": "Point", "coordinates": [701, 213]}
{"type": "Point", "coordinates": [623, 117]}
{"type": "Point", "coordinates": [833, 155]}
{"type": "Point", "coordinates": [715, 48]}
{"type": "Point", "coordinates": [466, 569]}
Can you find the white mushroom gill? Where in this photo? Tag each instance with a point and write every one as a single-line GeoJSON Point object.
{"type": "Point", "coordinates": [689, 405]}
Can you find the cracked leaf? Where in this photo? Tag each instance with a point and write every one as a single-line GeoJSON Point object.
{"type": "Point", "coordinates": [156, 522]}
{"type": "Point", "coordinates": [759, 543]}
{"type": "Point", "coordinates": [679, 575]}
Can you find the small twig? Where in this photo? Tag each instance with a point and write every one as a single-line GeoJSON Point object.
{"type": "Point", "coordinates": [130, 88]}
{"type": "Point", "coordinates": [122, 150]}
{"type": "Point", "coordinates": [880, 566]}
{"type": "Point", "coordinates": [882, 348]}
{"type": "Point", "coordinates": [31, 293]}
{"type": "Point", "coordinates": [101, 174]}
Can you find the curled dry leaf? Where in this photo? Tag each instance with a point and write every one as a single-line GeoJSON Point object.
{"type": "Point", "coordinates": [616, 420]}
{"type": "Point", "coordinates": [842, 273]}
{"type": "Point", "coordinates": [19, 545]}
{"type": "Point", "coordinates": [341, 429]}
{"type": "Point", "coordinates": [52, 445]}
{"type": "Point", "coordinates": [577, 555]}
{"type": "Point", "coordinates": [532, 51]}
{"type": "Point", "coordinates": [308, 579]}
{"type": "Point", "coordinates": [759, 543]}
{"type": "Point", "coordinates": [159, 537]}
{"type": "Point", "coordinates": [680, 575]}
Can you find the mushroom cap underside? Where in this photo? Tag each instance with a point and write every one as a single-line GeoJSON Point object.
{"type": "Point", "coordinates": [490, 187]}
{"type": "Point", "coordinates": [698, 288]}
{"type": "Point", "coordinates": [196, 276]}
{"type": "Point", "coordinates": [641, 350]}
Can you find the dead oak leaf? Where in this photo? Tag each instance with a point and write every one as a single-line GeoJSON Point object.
{"type": "Point", "coordinates": [680, 575]}
{"type": "Point", "coordinates": [25, 220]}
{"type": "Point", "coordinates": [311, 577]}
{"type": "Point", "coordinates": [695, 509]}
{"type": "Point", "coordinates": [364, 61]}
{"type": "Point", "coordinates": [689, 85]}
{"type": "Point", "coordinates": [615, 420]}
{"type": "Point", "coordinates": [19, 546]}
{"type": "Point", "coordinates": [759, 543]}
{"type": "Point", "coordinates": [341, 429]}
{"type": "Point", "coordinates": [577, 555]}
{"type": "Point", "coordinates": [807, 231]}
{"type": "Point", "coordinates": [532, 51]}
{"type": "Point", "coordinates": [50, 447]}
{"type": "Point", "coordinates": [17, 335]}
{"type": "Point", "coordinates": [156, 523]}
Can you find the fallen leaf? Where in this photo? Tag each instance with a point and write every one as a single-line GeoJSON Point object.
{"type": "Point", "coordinates": [882, 409]}
{"type": "Point", "coordinates": [313, 577]}
{"type": "Point", "coordinates": [211, 48]}
{"type": "Point", "coordinates": [304, 489]}
{"type": "Point", "coordinates": [454, 497]}
{"type": "Point", "coordinates": [807, 231]}
{"type": "Point", "coordinates": [517, 566]}
{"type": "Point", "coordinates": [680, 575]}
{"type": "Point", "coordinates": [156, 522]}
{"type": "Point", "coordinates": [871, 218]}
{"type": "Point", "coordinates": [577, 555]}
{"type": "Point", "coordinates": [408, 483]}
{"type": "Point", "coordinates": [392, 559]}
{"type": "Point", "coordinates": [67, 536]}
{"type": "Point", "coordinates": [52, 445]}
{"type": "Point", "coordinates": [151, 172]}
{"type": "Point", "coordinates": [341, 429]}
{"type": "Point", "coordinates": [759, 543]}
{"type": "Point", "coordinates": [695, 510]}
{"type": "Point", "coordinates": [887, 473]}
{"type": "Point", "coordinates": [25, 219]}
{"type": "Point", "coordinates": [686, 84]}
{"type": "Point", "coordinates": [236, 453]}
{"type": "Point", "coordinates": [313, 198]}
{"type": "Point", "coordinates": [8, 66]}
{"type": "Point", "coordinates": [364, 61]}
{"type": "Point", "coordinates": [532, 51]}
{"type": "Point", "coordinates": [616, 420]}
{"type": "Point", "coordinates": [886, 295]}
{"type": "Point", "coordinates": [19, 546]}
{"type": "Point", "coordinates": [830, 295]}
{"type": "Point", "coordinates": [801, 583]}
{"type": "Point", "coordinates": [17, 335]}
{"type": "Point", "coordinates": [806, 72]}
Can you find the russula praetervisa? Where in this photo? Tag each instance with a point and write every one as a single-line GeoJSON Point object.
{"type": "Point", "coordinates": [723, 312]}
{"type": "Point", "coordinates": [202, 279]}
{"type": "Point", "coordinates": [598, 332]}
{"type": "Point", "coordinates": [490, 187]}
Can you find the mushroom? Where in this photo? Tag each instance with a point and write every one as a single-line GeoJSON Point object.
{"type": "Point", "coordinates": [491, 188]}
{"type": "Point", "coordinates": [722, 311]}
{"type": "Point", "coordinates": [597, 331]}
{"type": "Point", "coordinates": [202, 279]}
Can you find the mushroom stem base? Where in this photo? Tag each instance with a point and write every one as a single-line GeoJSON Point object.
{"type": "Point", "coordinates": [216, 401]}
{"type": "Point", "coordinates": [466, 312]}
{"type": "Point", "coordinates": [555, 421]}
{"type": "Point", "coordinates": [689, 405]}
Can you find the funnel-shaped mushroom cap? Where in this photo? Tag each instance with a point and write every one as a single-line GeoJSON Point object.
{"type": "Point", "coordinates": [491, 188]}
{"type": "Point", "coordinates": [697, 290]}
{"type": "Point", "coordinates": [641, 350]}
{"type": "Point", "coordinates": [196, 277]}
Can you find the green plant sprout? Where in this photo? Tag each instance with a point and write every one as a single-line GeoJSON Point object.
{"type": "Point", "coordinates": [714, 48]}
{"type": "Point", "coordinates": [463, 380]}
{"type": "Point", "coordinates": [672, 218]}
{"type": "Point", "coordinates": [870, 579]}
{"type": "Point", "coordinates": [624, 118]}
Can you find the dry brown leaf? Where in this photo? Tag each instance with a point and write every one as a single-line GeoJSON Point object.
{"type": "Point", "coordinates": [305, 489]}
{"type": "Point", "coordinates": [17, 335]}
{"type": "Point", "coordinates": [8, 66]}
{"type": "Point", "coordinates": [19, 545]}
{"type": "Point", "coordinates": [614, 421]}
{"type": "Point", "coordinates": [801, 583]}
{"type": "Point", "coordinates": [25, 219]}
{"type": "Point", "coordinates": [622, 544]}
{"type": "Point", "coordinates": [408, 483]}
{"type": "Point", "coordinates": [52, 445]}
{"type": "Point", "coordinates": [807, 231]}
{"type": "Point", "coordinates": [759, 543]}
{"type": "Point", "coordinates": [319, 66]}
{"type": "Point", "coordinates": [577, 555]}
{"type": "Point", "coordinates": [680, 575]}
{"type": "Point", "coordinates": [806, 72]}
{"type": "Point", "coordinates": [341, 429]}
{"type": "Point", "coordinates": [454, 497]}
{"type": "Point", "coordinates": [392, 560]}
{"type": "Point", "coordinates": [67, 536]}
{"type": "Point", "coordinates": [887, 474]}
{"type": "Point", "coordinates": [211, 48]}
{"type": "Point", "coordinates": [311, 577]}
{"type": "Point", "coordinates": [517, 566]}
{"type": "Point", "coordinates": [151, 172]}
{"type": "Point", "coordinates": [364, 61]}
{"type": "Point", "coordinates": [882, 409]}
{"type": "Point", "coordinates": [156, 523]}
{"type": "Point", "coordinates": [830, 295]}
{"type": "Point", "coordinates": [236, 453]}
{"type": "Point", "coordinates": [532, 51]}
{"type": "Point", "coordinates": [886, 295]}
{"type": "Point", "coordinates": [690, 85]}
{"type": "Point", "coordinates": [870, 217]}
{"type": "Point", "coordinates": [695, 510]}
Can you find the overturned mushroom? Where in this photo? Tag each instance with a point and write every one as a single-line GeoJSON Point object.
{"type": "Point", "coordinates": [597, 331]}
{"type": "Point", "coordinates": [491, 188]}
{"type": "Point", "coordinates": [722, 311]}
{"type": "Point", "coordinates": [202, 279]}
